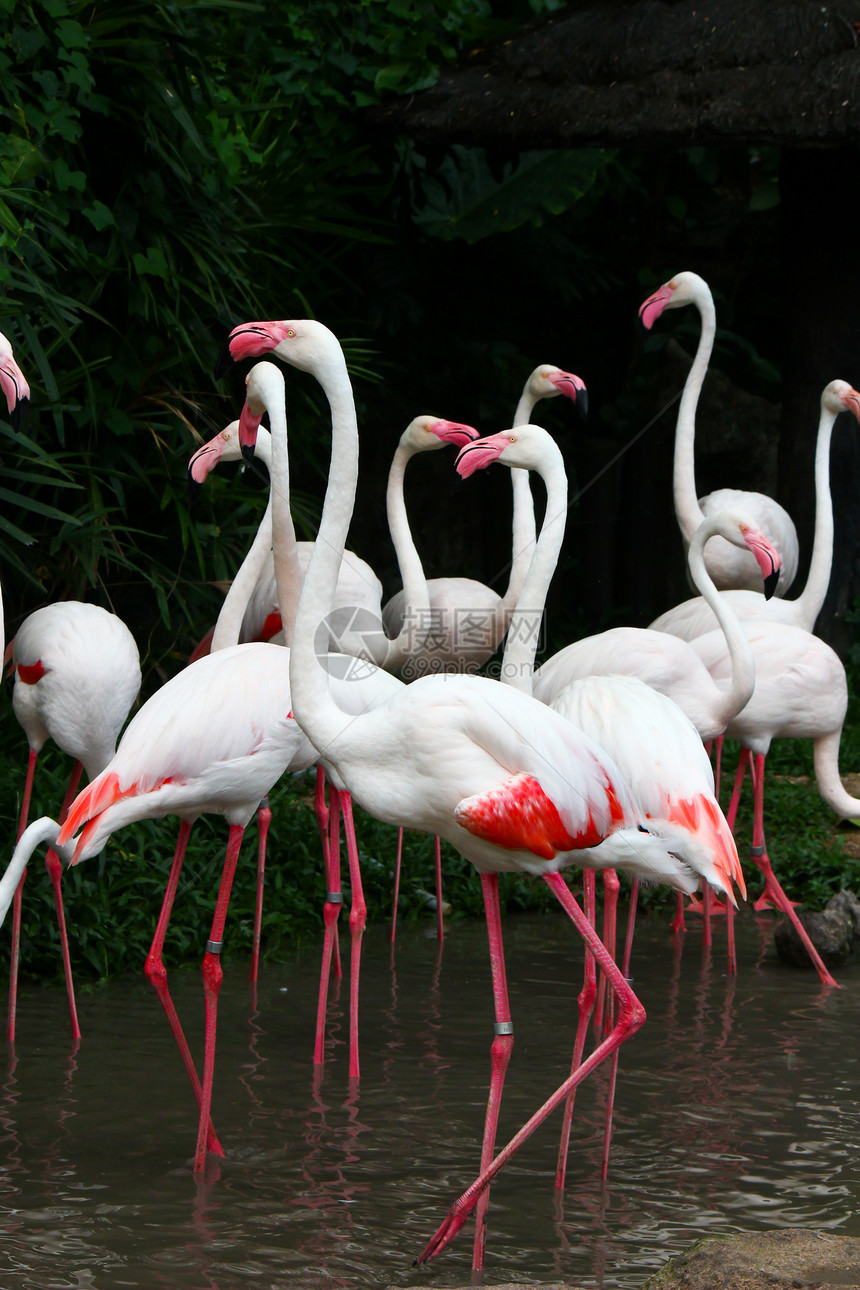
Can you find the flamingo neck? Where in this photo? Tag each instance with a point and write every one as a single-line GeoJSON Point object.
{"type": "Point", "coordinates": [524, 531]}
{"type": "Point", "coordinates": [42, 830]}
{"type": "Point", "coordinates": [288, 578]}
{"type": "Point", "coordinates": [313, 705]}
{"type": "Point", "coordinates": [825, 755]}
{"type": "Point", "coordinates": [229, 623]}
{"type": "Point", "coordinates": [521, 645]}
{"type": "Point", "coordinates": [687, 509]}
{"type": "Point", "coordinates": [415, 591]}
{"type": "Point", "coordinates": [742, 683]}
{"type": "Point", "coordinates": [812, 597]}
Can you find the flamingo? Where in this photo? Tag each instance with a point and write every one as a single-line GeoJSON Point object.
{"type": "Point", "coordinates": [511, 784]}
{"type": "Point", "coordinates": [666, 663]}
{"type": "Point", "coordinates": [358, 588]}
{"type": "Point", "coordinates": [467, 619]}
{"type": "Point", "coordinates": [694, 617]}
{"type": "Point", "coordinates": [727, 568]}
{"type": "Point", "coordinates": [14, 385]}
{"type": "Point", "coordinates": [77, 674]}
{"type": "Point", "coordinates": [800, 693]}
{"type": "Point", "coordinates": [654, 744]}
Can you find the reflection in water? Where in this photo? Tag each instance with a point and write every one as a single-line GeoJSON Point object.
{"type": "Point", "coordinates": [737, 1108]}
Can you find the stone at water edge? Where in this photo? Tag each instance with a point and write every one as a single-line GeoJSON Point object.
{"type": "Point", "coordinates": [799, 1259]}
{"type": "Point", "coordinates": [834, 931]}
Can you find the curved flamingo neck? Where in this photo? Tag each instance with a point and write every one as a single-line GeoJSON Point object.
{"type": "Point", "coordinates": [415, 591]}
{"type": "Point", "coordinates": [825, 756]}
{"type": "Point", "coordinates": [687, 509]}
{"type": "Point", "coordinates": [521, 645]}
{"type": "Point", "coordinates": [812, 597]}
{"type": "Point", "coordinates": [742, 682]}
{"type": "Point", "coordinates": [524, 529]}
{"type": "Point", "coordinates": [313, 705]}
{"type": "Point", "coordinates": [229, 623]}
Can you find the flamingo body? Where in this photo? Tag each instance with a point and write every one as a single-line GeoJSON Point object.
{"type": "Point", "coordinates": [77, 673]}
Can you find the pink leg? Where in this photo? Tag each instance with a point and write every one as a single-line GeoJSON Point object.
{"type": "Point", "coordinates": [732, 961]}
{"type": "Point", "coordinates": [397, 864]}
{"type": "Point", "coordinates": [157, 974]}
{"type": "Point", "coordinates": [16, 904]}
{"type": "Point", "coordinates": [357, 923]}
{"type": "Point", "coordinates": [631, 1017]}
{"type": "Point", "coordinates": [611, 887]}
{"type": "Point", "coordinates": [212, 978]}
{"type": "Point", "coordinates": [55, 869]}
{"type": "Point", "coordinates": [440, 925]}
{"type": "Point", "coordinates": [678, 924]}
{"type": "Point", "coordinates": [731, 814]}
{"type": "Point", "coordinates": [331, 913]}
{"type": "Point", "coordinates": [613, 1065]}
{"type": "Point", "coordinates": [500, 1052]}
{"type": "Point", "coordinates": [264, 819]}
{"type": "Point", "coordinates": [773, 890]}
{"type": "Point", "coordinates": [324, 825]}
{"type": "Point", "coordinates": [585, 1004]}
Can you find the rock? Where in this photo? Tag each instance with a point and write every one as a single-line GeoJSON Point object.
{"type": "Point", "coordinates": [830, 930]}
{"type": "Point", "coordinates": [796, 1259]}
{"type": "Point", "coordinates": [845, 902]}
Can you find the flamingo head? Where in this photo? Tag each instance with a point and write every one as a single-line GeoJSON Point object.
{"type": "Point", "coordinates": [14, 385]}
{"type": "Point", "coordinates": [426, 433]}
{"type": "Point", "coordinates": [303, 343]}
{"type": "Point", "coordinates": [767, 556]}
{"type": "Point", "coordinates": [263, 385]}
{"type": "Point", "coordinates": [684, 289]}
{"type": "Point", "coordinates": [546, 382]}
{"type": "Point", "coordinates": [526, 447]}
{"type": "Point", "coordinates": [838, 397]}
{"type": "Point", "coordinates": [223, 446]}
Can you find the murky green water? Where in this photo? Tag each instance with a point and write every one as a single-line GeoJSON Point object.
{"type": "Point", "coordinates": [738, 1108]}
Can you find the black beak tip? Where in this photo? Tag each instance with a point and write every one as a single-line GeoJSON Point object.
{"type": "Point", "coordinates": [582, 403]}
{"type": "Point", "coordinates": [770, 583]}
{"type": "Point", "coordinates": [223, 363]}
{"type": "Point", "coordinates": [248, 453]}
{"type": "Point", "coordinates": [18, 415]}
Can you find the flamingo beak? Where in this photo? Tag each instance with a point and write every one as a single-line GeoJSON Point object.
{"type": "Point", "coordinates": [248, 340]}
{"type": "Point", "coordinates": [573, 387]}
{"type": "Point", "coordinates": [454, 432]}
{"type": "Point", "coordinates": [480, 454]}
{"type": "Point", "coordinates": [249, 423]}
{"type": "Point", "coordinates": [651, 309]}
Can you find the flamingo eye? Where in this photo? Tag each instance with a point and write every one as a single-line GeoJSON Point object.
{"type": "Point", "coordinates": [512, 438]}
{"type": "Point", "coordinates": [290, 332]}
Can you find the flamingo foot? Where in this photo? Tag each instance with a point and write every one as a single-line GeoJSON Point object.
{"type": "Point", "coordinates": [448, 1228]}
{"type": "Point", "coordinates": [697, 907]}
{"type": "Point", "coordinates": [767, 902]}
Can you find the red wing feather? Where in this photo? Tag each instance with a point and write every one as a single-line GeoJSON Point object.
{"type": "Point", "coordinates": [518, 816]}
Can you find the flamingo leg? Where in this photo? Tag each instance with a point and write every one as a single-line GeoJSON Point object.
{"type": "Point", "coordinates": [213, 975]}
{"type": "Point", "coordinates": [678, 924]}
{"type": "Point", "coordinates": [773, 889]}
{"type": "Point", "coordinates": [264, 819]}
{"type": "Point", "coordinates": [357, 923]}
{"type": "Point", "coordinates": [631, 1016]}
{"type": "Point", "coordinates": [613, 1061]}
{"type": "Point", "coordinates": [397, 863]}
{"type": "Point", "coordinates": [611, 887]}
{"type": "Point", "coordinates": [157, 974]}
{"type": "Point", "coordinates": [16, 904]}
{"type": "Point", "coordinates": [734, 802]}
{"type": "Point", "coordinates": [440, 925]}
{"type": "Point", "coordinates": [585, 1004]}
{"type": "Point", "coordinates": [55, 870]}
{"type": "Point", "coordinates": [331, 909]}
{"type": "Point", "coordinates": [500, 1051]}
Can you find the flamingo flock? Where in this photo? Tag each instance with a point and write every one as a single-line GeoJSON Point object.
{"type": "Point", "coordinates": [594, 763]}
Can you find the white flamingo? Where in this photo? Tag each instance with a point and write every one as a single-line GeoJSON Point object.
{"type": "Point", "coordinates": [727, 567]}
{"type": "Point", "coordinates": [511, 784]}
{"type": "Point", "coordinates": [77, 674]}
{"type": "Point", "coordinates": [694, 617]}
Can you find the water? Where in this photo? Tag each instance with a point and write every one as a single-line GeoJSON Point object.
{"type": "Point", "coordinates": [737, 1109]}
